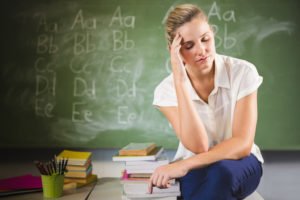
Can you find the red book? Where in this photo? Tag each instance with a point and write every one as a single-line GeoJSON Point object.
{"type": "Point", "coordinates": [21, 182]}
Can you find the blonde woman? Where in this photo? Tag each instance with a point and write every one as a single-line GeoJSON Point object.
{"type": "Point", "coordinates": [211, 102]}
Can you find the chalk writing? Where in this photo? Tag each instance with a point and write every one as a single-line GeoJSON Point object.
{"type": "Point", "coordinates": [45, 44]}
{"type": "Point", "coordinates": [45, 26]}
{"type": "Point", "coordinates": [222, 41]}
{"type": "Point", "coordinates": [41, 65]}
{"type": "Point", "coordinates": [119, 20]}
{"type": "Point", "coordinates": [121, 42]}
{"type": "Point", "coordinates": [215, 11]}
{"type": "Point", "coordinates": [124, 117]}
{"type": "Point", "coordinates": [79, 114]}
{"type": "Point", "coordinates": [43, 108]}
{"type": "Point", "coordinates": [80, 22]}
{"type": "Point", "coordinates": [46, 77]}
{"type": "Point", "coordinates": [117, 64]}
{"type": "Point", "coordinates": [122, 69]}
{"type": "Point", "coordinates": [83, 43]}
{"type": "Point", "coordinates": [82, 88]}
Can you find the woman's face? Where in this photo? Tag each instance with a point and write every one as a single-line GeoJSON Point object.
{"type": "Point", "coordinates": [198, 45]}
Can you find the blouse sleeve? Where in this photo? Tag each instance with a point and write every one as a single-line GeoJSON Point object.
{"type": "Point", "coordinates": [250, 82]}
{"type": "Point", "coordinates": [164, 94]}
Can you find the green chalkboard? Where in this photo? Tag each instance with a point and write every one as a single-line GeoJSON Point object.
{"type": "Point", "coordinates": [82, 73]}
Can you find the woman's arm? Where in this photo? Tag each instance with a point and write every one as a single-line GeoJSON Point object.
{"type": "Point", "coordinates": [184, 119]}
{"type": "Point", "coordinates": [236, 147]}
{"type": "Point", "coordinates": [243, 133]}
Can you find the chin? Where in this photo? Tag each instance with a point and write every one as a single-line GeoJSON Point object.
{"type": "Point", "coordinates": [205, 67]}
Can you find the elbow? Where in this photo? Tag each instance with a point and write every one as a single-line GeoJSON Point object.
{"type": "Point", "coordinates": [195, 145]}
{"type": "Point", "coordinates": [244, 152]}
{"type": "Point", "coordinates": [247, 148]}
{"type": "Point", "coordinates": [197, 149]}
{"type": "Point", "coordinates": [202, 149]}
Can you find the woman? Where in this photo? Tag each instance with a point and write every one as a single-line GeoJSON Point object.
{"type": "Point", "coordinates": [211, 102]}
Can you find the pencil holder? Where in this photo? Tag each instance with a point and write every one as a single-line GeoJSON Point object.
{"type": "Point", "coordinates": [52, 185]}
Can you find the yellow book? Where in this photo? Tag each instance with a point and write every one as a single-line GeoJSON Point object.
{"type": "Point", "coordinates": [137, 149]}
{"type": "Point", "coordinates": [81, 181]}
{"type": "Point", "coordinates": [75, 157]}
{"type": "Point", "coordinates": [74, 183]}
{"type": "Point", "coordinates": [79, 167]}
{"type": "Point", "coordinates": [79, 174]}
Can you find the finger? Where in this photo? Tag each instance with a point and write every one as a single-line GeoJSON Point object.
{"type": "Point", "coordinates": [154, 179]}
{"type": "Point", "coordinates": [177, 40]}
{"type": "Point", "coordinates": [165, 181]}
{"type": "Point", "coordinates": [150, 187]}
{"type": "Point", "coordinates": [160, 181]}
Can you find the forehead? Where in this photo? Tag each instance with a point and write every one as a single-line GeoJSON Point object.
{"type": "Point", "coordinates": [193, 29]}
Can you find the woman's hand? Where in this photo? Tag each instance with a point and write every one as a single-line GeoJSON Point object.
{"type": "Point", "coordinates": [163, 174]}
{"type": "Point", "coordinates": [176, 59]}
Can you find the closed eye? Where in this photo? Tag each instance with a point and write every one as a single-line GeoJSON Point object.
{"type": "Point", "coordinates": [189, 45]}
{"type": "Point", "coordinates": [205, 39]}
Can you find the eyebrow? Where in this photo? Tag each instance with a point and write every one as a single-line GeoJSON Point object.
{"type": "Point", "coordinates": [192, 41]}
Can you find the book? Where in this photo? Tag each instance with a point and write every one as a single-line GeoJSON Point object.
{"type": "Point", "coordinates": [152, 156]}
{"type": "Point", "coordinates": [140, 175]}
{"type": "Point", "coordinates": [79, 167]}
{"type": "Point", "coordinates": [126, 178]}
{"type": "Point", "coordinates": [72, 183]}
{"type": "Point", "coordinates": [75, 157]}
{"type": "Point", "coordinates": [152, 196]}
{"type": "Point", "coordinates": [124, 197]}
{"type": "Point", "coordinates": [20, 185]}
{"type": "Point", "coordinates": [4, 193]}
{"type": "Point", "coordinates": [24, 182]}
{"type": "Point", "coordinates": [69, 186]}
{"type": "Point", "coordinates": [79, 174]}
{"type": "Point", "coordinates": [89, 179]}
{"type": "Point", "coordinates": [145, 166]}
{"type": "Point", "coordinates": [141, 188]}
{"type": "Point", "coordinates": [161, 160]}
{"type": "Point", "coordinates": [140, 171]}
{"type": "Point", "coordinates": [137, 149]}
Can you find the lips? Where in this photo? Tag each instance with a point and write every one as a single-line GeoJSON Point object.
{"type": "Point", "coordinates": [202, 59]}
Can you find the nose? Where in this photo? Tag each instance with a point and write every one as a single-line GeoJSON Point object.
{"type": "Point", "coordinates": [200, 47]}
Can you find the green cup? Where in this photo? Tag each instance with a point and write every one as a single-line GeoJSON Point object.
{"type": "Point", "coordinates": [53, 185]}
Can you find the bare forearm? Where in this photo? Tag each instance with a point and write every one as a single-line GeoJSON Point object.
{"type": "Point", "coordinates": [192, 132]}
{"type": "Point", "coordinates": [234, 148]}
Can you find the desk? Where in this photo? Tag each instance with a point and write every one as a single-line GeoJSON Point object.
{"type": "Point", "coordinates": [71, 194]}
{"type": "Point", "coordinates": [105, 188]}
{"type": "Point", "coordinates": [111, 188]}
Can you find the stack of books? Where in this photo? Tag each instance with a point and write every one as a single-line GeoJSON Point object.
{"type": "Point", "coordinates": [79, 168]}
{"type": "Point", "coordinates": [141, 160]}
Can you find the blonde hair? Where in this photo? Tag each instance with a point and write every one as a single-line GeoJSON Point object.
{"type": "Point", "coordinates": [180, 15]}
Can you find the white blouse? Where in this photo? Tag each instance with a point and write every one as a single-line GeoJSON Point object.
{"type": "Point", "coordinates": [234, 79]}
